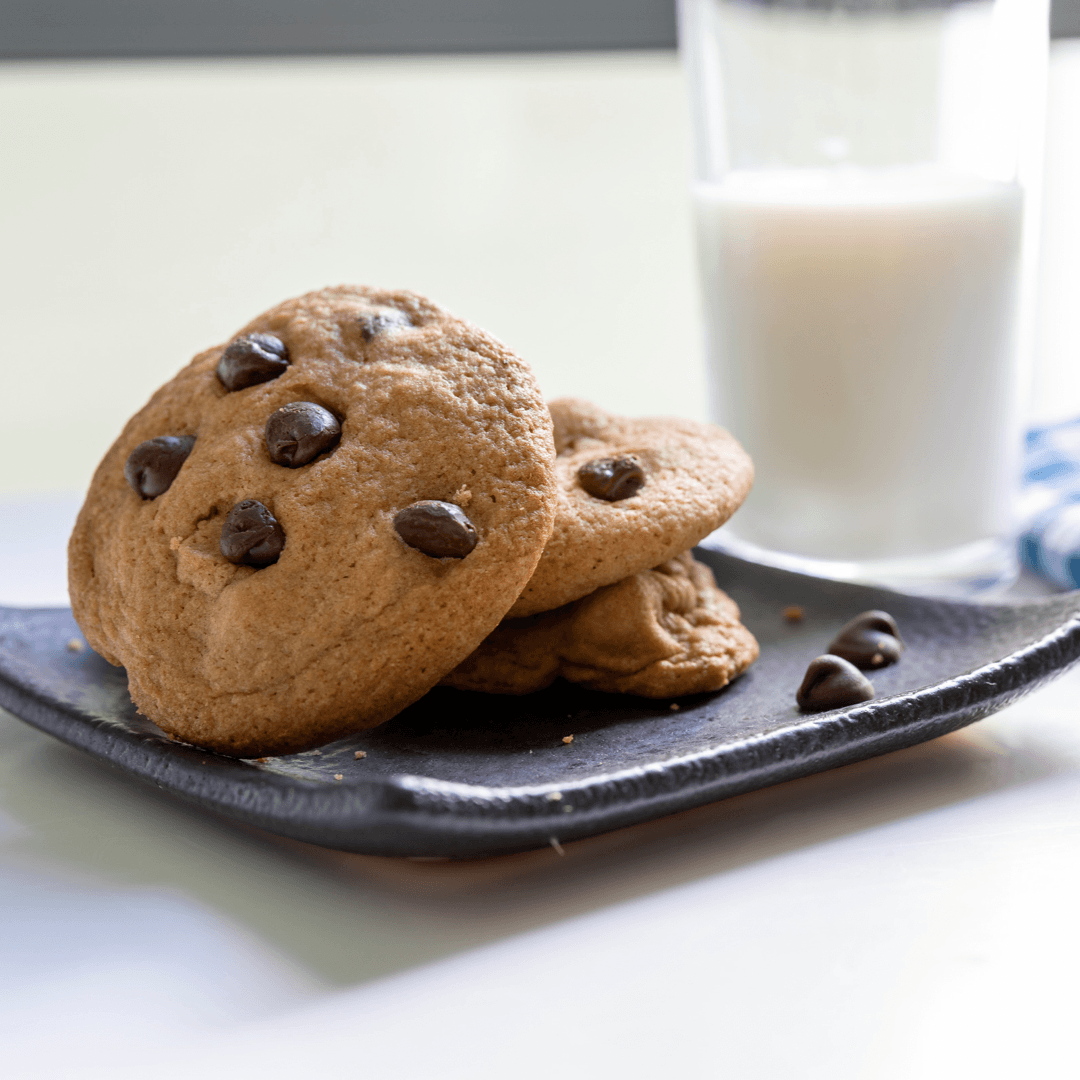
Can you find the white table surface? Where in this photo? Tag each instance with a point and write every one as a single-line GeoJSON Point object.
{"type": "Point", "coordinates": [907, 917]}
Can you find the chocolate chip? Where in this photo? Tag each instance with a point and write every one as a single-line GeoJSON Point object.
{"type": "Point", "coordinates": [299, 432]}
{"type": "Point", "coordinates": [870, 640]}
{"type": "Point", "coordinates": [438, 529]}
{"type": "Point", "coordinates": [370, 325]}
{"type": "Point", "coordinates": [831, 683]}
{"type": "Point", "coordinates": [252, 535]}
{"type": "Point", "coordinates": [255, 358]}
{"type": "Point", "coordinates": [612, 479]}
{"type": "Point", "coordinates": [152, 466]}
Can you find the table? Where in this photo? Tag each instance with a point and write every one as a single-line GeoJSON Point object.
{"type": "Point", "coordinates": [910, 916]}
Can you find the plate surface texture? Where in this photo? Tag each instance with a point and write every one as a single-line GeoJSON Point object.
{"type": "Point", "coordinates": [464, 775]}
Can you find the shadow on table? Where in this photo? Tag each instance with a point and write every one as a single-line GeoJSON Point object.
{"type": "Point", "coordinates": [348, 918]}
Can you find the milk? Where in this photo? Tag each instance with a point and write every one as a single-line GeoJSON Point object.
{"type": "Point", "coordinates": [862, 347]}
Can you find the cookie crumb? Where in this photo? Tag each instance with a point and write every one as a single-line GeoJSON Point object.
{"type": "Point", "coordinates": [262, 760]}
{"type": "Point", "coordinates": [339, 776]}
{"type": "Point", "coordinates": [557, 846]}
{"type": "Point", "coordinates": [175, 542]}
{"type": "Point", "coordinates": [360, 754]}
{"type": "Point", "coordinates": [568, 739]}
{"type": "Point", "coordinates": [673, 707]}
{"type": "Point", "coordinates": [75, 645]}
{"type": "Point", "coordinates": [793, 613]}
{"type": "Point", "coordinates": [463, 496]}
{"type": "Point", "coordinates": [554, 796]}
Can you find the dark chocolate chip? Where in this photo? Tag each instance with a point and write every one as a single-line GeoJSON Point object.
{"type": "Point", "coordinates": [152, 466]}
{"type": "Point", "coordinates": [371, 325]}
{"type": "Point", "coordinates": [255, 358]}
{"type": "Point", "coordinates": [612, 479]}
{"type": "Point", "coordinates": [299, 432]}
{"type": "Point", "coordinates": [831, 683]}
{"type": "Point", "coordinates": [438, 529]}
{"type": "Point", "coordinates": [252, 535]}
{"type": "Point", "coordinates": [870, 640]}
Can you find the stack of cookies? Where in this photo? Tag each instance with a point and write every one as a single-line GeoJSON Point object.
{"type": "Point", "coordinates": [360, 496]}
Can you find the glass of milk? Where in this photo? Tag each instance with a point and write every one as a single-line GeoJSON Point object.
{"type": "Point", "coordinates": [865, 186]}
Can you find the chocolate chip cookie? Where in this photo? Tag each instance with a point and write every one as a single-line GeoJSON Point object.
{"type": "Point", "coordinates": [632, 494]}
{"type": "Point", "coordinates": [310, 525]}
{"type": "Point", "coordinates": [663, 632]}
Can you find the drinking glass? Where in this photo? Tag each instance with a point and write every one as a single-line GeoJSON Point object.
{"type": "Point", "coordinates": [866, 180]}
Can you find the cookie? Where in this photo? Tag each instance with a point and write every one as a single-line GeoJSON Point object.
{"type": "Point", "coordinates": [308, 527]}
{"type": "Point", "coordinates": [632, 494]}
{"type": "Point", "coordinates": [663, 632]}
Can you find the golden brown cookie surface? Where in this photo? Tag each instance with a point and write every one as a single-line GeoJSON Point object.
{"type": "Point", "coordinates": [632, 494]}
{"type": "Point", "coordinates": [663, 632]}
{"type": "Point", "coordinates": [339, 622]}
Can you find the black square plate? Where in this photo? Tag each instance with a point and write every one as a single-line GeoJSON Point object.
{"type": "Point", "coordinates": [462, 775]}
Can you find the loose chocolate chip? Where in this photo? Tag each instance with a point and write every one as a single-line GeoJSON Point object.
{"type": "Point", "coordinates": [255, 358]}
{"type": "Point", "coordinates": [252, 535]}
{"type": "Point", "coordinates": [299, 432]}
{"type": "Point", "coordinates": [870, 640]}
{"type": "Point", "coordinates": [370, 325]}
{"type": "Point", "coordinates": [152, 466]}
{"type": "Point", "coordinates": [831, 683]}
{"type": "Point", "coordinates": [438, 529]}
{"type": "Point", "coordinates": [612, 479]}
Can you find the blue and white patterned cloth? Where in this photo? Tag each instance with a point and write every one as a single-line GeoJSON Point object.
{"type": "Point", "coordinates": [1050, 546]}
